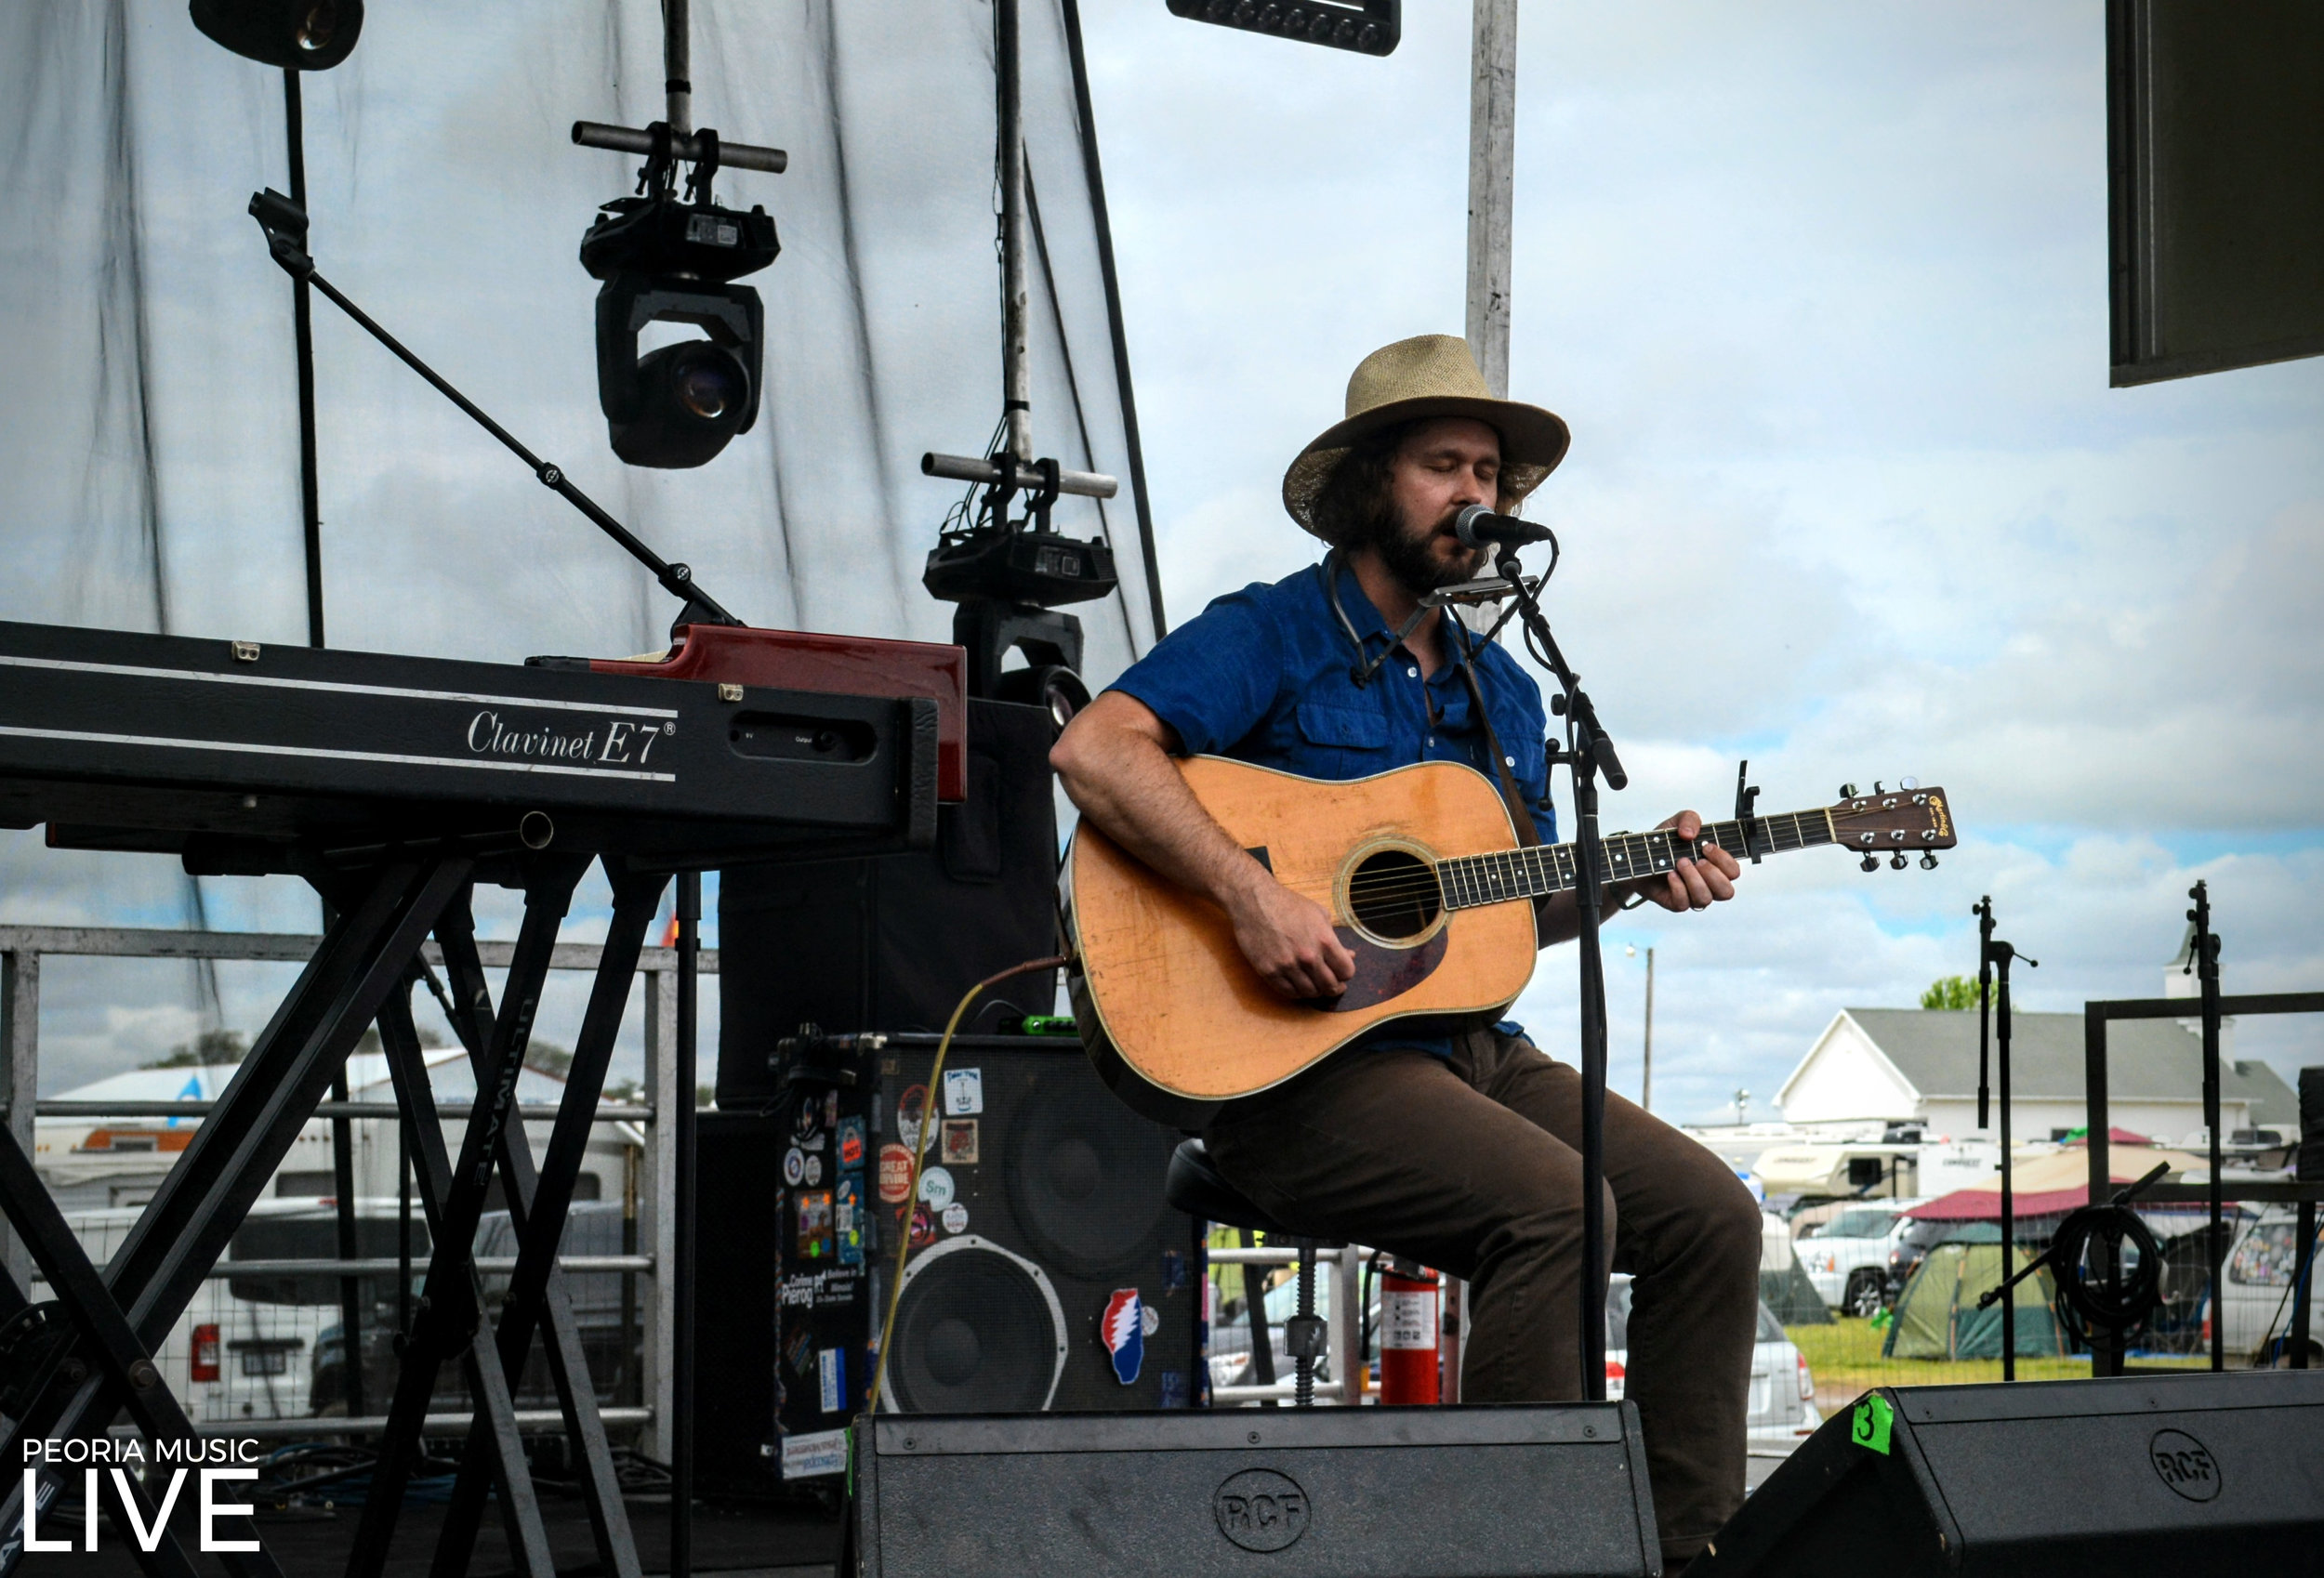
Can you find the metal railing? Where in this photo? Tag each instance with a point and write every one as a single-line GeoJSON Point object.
{"type": "Point", "coordinates": [22, 949]}
{"type": "Point", "coordinates": [1342, 1322]}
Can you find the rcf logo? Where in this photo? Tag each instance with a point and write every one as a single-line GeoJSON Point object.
{"type": "Point", "coordinates": [2185, 1464]}
{"type": "Point", "coordinates": [1260, 1509]}
{"type": "Point", "coordinates": [205, 1459]}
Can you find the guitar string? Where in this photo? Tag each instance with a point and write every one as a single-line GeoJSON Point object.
{"type": "Point", "coordinates": [1524, 864]}
{"type": "Point", "coordinates": [1627, 850]}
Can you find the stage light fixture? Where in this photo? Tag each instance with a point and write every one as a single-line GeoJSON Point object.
{"type": "Point", "coordinates": [303, 36]}
{"type": "Point", "coordinates": [1368, 27]}
{"type": "Point", "coordinates": [664, 260]}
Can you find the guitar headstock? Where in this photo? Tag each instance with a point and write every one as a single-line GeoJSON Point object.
{"type": "Point", "coordinates": [1896, 823]}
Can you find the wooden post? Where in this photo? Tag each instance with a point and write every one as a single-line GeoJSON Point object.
{"type": "Point", "coordinates": [1492, 157]}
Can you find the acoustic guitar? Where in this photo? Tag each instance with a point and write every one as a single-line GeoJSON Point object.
{"type": "Point", "coordinates": [1422, 871]}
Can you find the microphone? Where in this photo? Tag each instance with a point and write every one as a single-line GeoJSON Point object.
{"type": "Point", "coordinates": [1478, 526]}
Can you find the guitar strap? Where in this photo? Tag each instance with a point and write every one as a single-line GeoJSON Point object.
{"type": "Point", "coordinates": [1519, 814]}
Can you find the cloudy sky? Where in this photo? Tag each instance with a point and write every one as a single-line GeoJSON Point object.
{"type": "Point", "coordinates": [1821, 289]}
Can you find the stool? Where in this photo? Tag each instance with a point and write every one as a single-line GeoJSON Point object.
{"type": "Point", "coordinates": [1196, 1187]}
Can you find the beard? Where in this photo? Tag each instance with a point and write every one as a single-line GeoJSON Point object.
{"type": "Point", "coordinates": [1411, 557]}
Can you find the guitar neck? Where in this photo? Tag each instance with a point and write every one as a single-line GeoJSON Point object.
{"type": "Point", "coordinates": [1470, 880]}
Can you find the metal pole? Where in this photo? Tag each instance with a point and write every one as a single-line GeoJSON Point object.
{"type": "Point", "coordinates": [351, 1288]}
{"type": "Point", "coordinates": [1647, 1084]}
{"type": "Point", "coordinates": [1016, 372]}
{"type": "Point", "coordinates": [2207, 974]}
{"type": "Point", "coordinates": [2304, 1262]}
{"type": "Point", "coordinates": [677, 67]}
{"type": "Point", "coordinates": [1593, 1051]}
{"type": "Point", "coordinates": [1492, 160]}
{"type": "Point", "coordinates": [2009, 1198]}
{"type": "Point", "coordinates": [659, 1214]}
{"type": "Point", "coordinates": [302, 332]}
{"type": "Point", "coordinates": [1452, 1333]}
{"type": "Point", "coordinates": [1096, 177]}
{"type": "Point", "coordinates": [20, 1080]}
{"type": "Point", "coordinates": [681, 1305]}
{"type": "Point", "coordinates": [1983, 909]}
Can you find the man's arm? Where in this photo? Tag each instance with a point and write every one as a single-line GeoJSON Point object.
{"type": "Point", "coordinates": [1113, 759]}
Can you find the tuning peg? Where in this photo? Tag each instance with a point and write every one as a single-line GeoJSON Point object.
{"type": "Point", "coordinates": [1907, 785]}
{"type": "Point", "coordinates": [1928, 859]}
{"type": "Point", "coordinates": [1847, 791]}
{"type": "Point", "coordinates": [1875, 787]}
{"type": "Point", "coordinates": [1872, 862]}
{"type": "Point", "coordinates": [1897, 860]}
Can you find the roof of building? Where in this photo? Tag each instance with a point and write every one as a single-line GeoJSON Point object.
{"type": "Point", "coordinates": [2146, 1060]}
{"type": "Point", "coordinates": [367, 1080]}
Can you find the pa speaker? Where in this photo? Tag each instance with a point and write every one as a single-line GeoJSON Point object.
{"type": "Point", "coordinates": [1322, 1492]}
{"type": "Point", "coordinates": [1040, 1237]}
{"type": "Point", "coordinates": [1047, 1270]}
{"type": "Point", "coordinates": [891, 943]}
{"type": "Point", "coordinates": [2196, 1476]}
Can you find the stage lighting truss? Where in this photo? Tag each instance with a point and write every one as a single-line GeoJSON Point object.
{"type": "Point", "coordinates": [1368, 27]}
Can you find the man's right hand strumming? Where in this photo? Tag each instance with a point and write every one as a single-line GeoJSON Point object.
{"type": "Point", "coordinates": [1289, 940]}
{"type": "Point", "coordinates": [1115, 762]}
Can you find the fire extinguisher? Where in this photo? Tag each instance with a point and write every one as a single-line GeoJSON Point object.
{"type": "Point", "coordinates": [1407, 1332]}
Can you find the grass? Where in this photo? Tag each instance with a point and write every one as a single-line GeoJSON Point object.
{"type": "Point", "coordinates": [1846, 1359]}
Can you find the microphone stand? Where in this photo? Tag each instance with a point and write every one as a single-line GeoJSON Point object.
{"type": "Point", "coordinates": [1589, 752]}
{"type": "Point", "coordinates": [284, 223]}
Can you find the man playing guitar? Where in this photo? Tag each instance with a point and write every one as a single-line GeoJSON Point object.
{"type": "Point", "coordinates": [1448, 1144]}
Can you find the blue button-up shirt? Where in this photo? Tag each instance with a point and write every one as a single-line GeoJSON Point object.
{"type": "Point", "coordinates": [1266, 676]}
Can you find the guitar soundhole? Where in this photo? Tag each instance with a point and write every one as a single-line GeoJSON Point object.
{"type": "Point", "coordinates": [1393, 894]}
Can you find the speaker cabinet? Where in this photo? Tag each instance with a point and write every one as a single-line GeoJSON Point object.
{"type": "Point", "coordinates": [891, 943]}
{"type": "Point", "coordinates": [2197, 1476]}
{"type": "Point", "coordinates": [738, 1184]}
{"type": "Point", "coordinates": [1040, 1232]}
{"type": "Point", "coordinates": [1041, 1210]}
{"type": "Point", "coordinates": [1322, 1492]}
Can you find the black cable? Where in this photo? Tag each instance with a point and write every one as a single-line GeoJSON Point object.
{"type": "Point", "coordinates": [2116, 1302]}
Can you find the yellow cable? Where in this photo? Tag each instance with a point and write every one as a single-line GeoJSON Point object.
{"type": "Point", "coordinates": [929, 1114]}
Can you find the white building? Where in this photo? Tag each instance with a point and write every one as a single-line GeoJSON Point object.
{"type": "Point", "coordinates": [1920, 1066]}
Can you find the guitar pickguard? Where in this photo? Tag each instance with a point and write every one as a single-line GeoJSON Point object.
{"type": "Point", "coordinates": [1382, 972]}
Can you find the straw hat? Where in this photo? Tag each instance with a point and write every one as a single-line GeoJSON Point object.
{"type": "Point", "coordinates": [1427, 376]}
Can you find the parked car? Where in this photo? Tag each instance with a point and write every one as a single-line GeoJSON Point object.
{"type": "Point", "coordinates": [611, 1332]}
{"type": "Point", "coordinates": [237, 1352]}
{"type": "Point", "coordinates": [1783, 1389]}
{"type": "Point", "coordinates": [1907, 1248]}
{"type": "Point", "coordinates": [2261, 1261]}
{"type": "Point", "coordinates": [1782, 1412]}
{"type": "Point", "coordinates": [1847, 1257]}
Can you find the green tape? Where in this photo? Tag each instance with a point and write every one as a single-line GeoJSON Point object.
{"type": "Point", "coordinates": [1869, 1427]}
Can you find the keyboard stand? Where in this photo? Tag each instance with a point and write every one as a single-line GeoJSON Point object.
{"type": "Point", "coordinates": [363, 973]}
{"type": "Point", "coordinates": [366, 951]}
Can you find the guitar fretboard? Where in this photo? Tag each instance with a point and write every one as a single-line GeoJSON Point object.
{"type": "Point", "coordinates": [1470, 880]}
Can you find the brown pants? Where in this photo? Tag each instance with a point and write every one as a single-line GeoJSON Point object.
{"type": "Point", "coordinates": [1474, 1167]}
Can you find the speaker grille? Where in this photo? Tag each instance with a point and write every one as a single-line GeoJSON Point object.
{"type": "Point", "coordinates": [978, 1330]}
{"type": "Point", "coordinates": [1083, 1187]}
